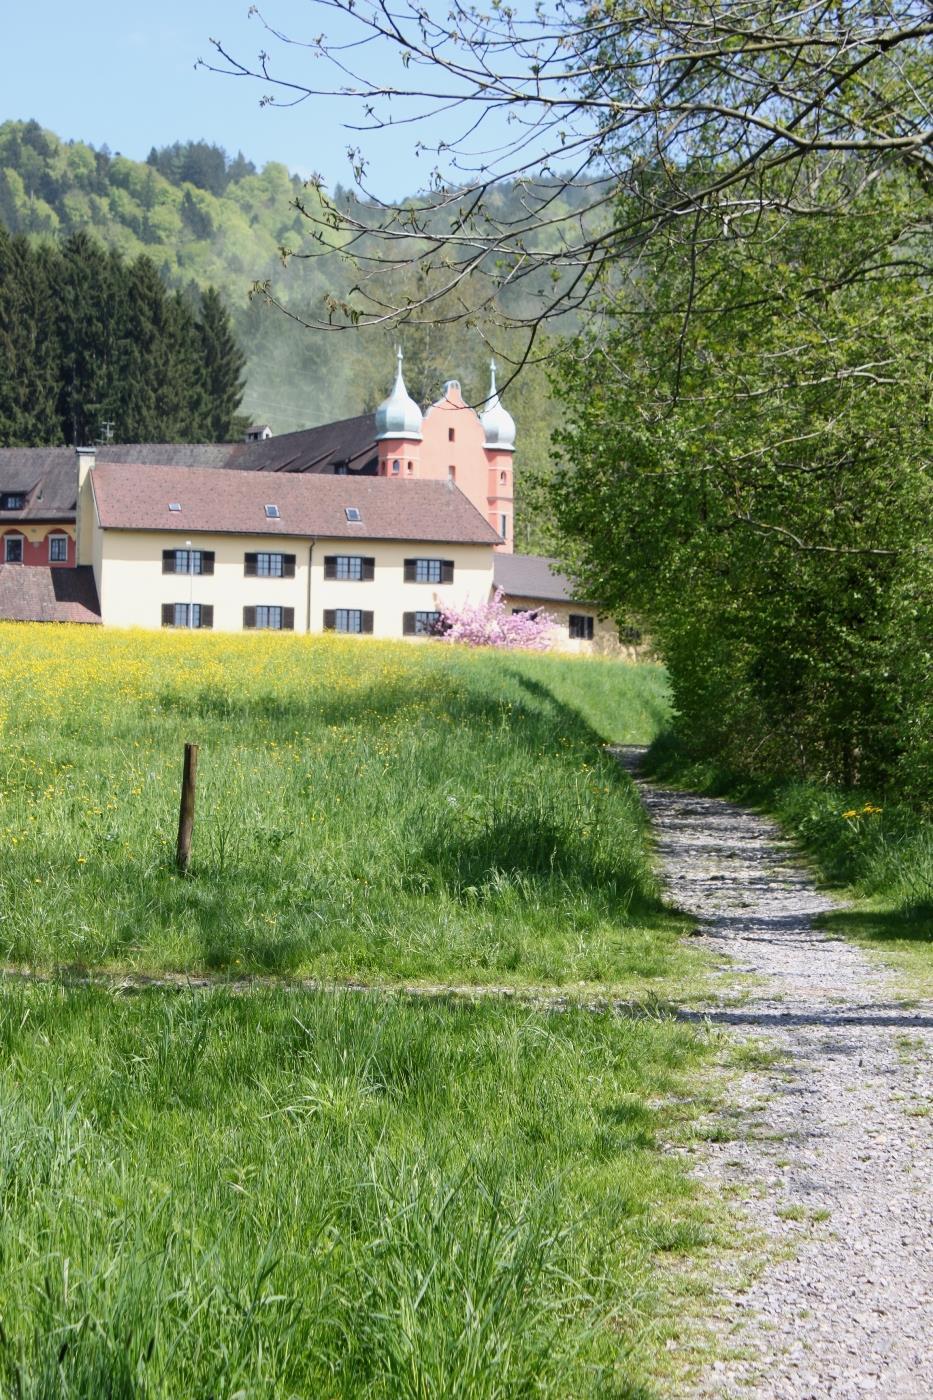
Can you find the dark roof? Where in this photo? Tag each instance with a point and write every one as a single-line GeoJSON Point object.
{"type": "Point", "coordinates": [48, 475]}
{"type": "Point", "coordinates": [132, 496]}
{"type": "Point", "coordinates": [29, 593]}
{"type": "Point", "coordinates": [531, 576]}
{"type": "Point", "coordinates": [350, 443]}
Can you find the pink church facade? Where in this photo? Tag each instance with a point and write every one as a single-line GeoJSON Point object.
{"type": "Point", "coordinates": [452, 442]}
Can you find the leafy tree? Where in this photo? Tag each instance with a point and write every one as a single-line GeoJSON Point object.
{"type": "Point", "coordinates": [752, 478]}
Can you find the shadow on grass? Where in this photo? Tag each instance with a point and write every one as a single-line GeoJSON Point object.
{"type": "Point", "coordinates": [911, 925]}
{"type": "Point", "coordinates": [534, 854]}
{"type": "Point", "coordinates": [448, 694]}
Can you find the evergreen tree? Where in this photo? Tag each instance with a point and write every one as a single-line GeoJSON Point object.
{"type": "Point", "coordinates": [87, 285]}
{"type": "Point", "coordinates": [222, 367]}
{"type": "Point", "coordinates": [28, 349]}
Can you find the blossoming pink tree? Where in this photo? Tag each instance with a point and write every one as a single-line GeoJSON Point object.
{"type": "Point", "coordinates": [492, 624]}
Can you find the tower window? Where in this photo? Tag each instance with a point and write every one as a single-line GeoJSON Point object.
{"type": "Point", "coordinates": [396, 467]}
{"type": "Point", "coordinates": [452, 472]}
{"type": "Point", "coordinates": [503, 477]}
{"type": "Point", "coordinates": [450, 434]}
{"type": "Point", "coordinates": [504, 526]}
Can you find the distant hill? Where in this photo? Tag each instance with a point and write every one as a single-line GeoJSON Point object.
{"type": "Point", "coordinates": [205, 218]}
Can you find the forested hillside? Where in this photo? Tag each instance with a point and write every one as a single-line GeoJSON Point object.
{"type": "Point", "coordinates": [205, 219]}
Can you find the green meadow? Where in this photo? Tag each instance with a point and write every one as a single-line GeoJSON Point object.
{"type": "Point", "coordinates": [261, 1189]}
{"type": "Point", "coordinates": [377, 812]}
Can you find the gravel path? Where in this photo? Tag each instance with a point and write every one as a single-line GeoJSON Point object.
{"type": "Point", "coordinates": [832, 1153]}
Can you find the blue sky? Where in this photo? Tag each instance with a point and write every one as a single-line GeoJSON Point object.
{"type": "Point", "coordinates": [123, 73]}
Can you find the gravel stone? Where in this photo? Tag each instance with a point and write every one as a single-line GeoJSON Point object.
{"type": "Point", "coordinates": [832, 1156]}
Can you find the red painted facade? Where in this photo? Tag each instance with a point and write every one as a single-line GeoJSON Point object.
{"type": "Point", "coordinates": [38, 550]}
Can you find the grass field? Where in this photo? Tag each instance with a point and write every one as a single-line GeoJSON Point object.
{"type": "Point", "coordinates": [294, 1194]}
{"type": "Point", "coordinates": [371, 811]}
{"type": "Point", "coordinates": [266, 1191]}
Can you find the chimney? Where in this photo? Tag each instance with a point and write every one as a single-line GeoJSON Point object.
{"type": "Point", "coordinates": [84, 511]}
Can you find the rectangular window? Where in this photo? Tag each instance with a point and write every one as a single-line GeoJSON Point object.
{"type": "Point", "coordinates": [273, 513]}
{"type": "Point", "coordinates": [13, 549]}
{"type": "Point", "coordinates": [420, 624]}
{"type": "Point", "coordinates": [269, 565]}
{"type": "Point", "coordinates": [504, 526]}
{"type": "Point", "coordinates": [187, 615]}
{"type": "Point", "coordinates": [429, 571]}
{"type": "Point", "coordinates": [349, 568]}
{"type": "Point", "coordinates": [354, 620]}
{"type": "Point", "coordinates": [581, 627]}
{"type": "Point", "coordinates": [187, 561]}
{"type": "Point", "coordinates": [12, 501]}
{"type": "Point", "coordinates": [266, 565]}
{"type": "Point", "coordinates": [269, 618]}
{"type": "Point", "coordinates": [58, 549]}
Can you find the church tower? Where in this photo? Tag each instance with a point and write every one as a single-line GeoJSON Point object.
{"type": "Point", "coordinates": [398, 431]}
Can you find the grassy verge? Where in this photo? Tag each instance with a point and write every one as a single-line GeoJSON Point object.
{"type": "Point", "coordinates": [293, 1194]}
{"type": "Point", "coordinates": [879, 854]}
{"type": "Point", "coordinates": [365, 810]}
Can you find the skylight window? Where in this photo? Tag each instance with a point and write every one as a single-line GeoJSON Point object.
{"type": "Point", "coordinates": [174, 505]}
{"type": "Point", "coordinates": [272, 513]}
{"type": "Point", "coordinates": [353, 514]}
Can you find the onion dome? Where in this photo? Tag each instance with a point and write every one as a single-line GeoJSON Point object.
{"type": "Point", "coordinates": [498, 423]}
{"type": "Point", "coordinates": [398, 416]}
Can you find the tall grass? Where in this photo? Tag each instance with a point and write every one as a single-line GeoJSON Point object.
{"type": "Point", "coordinates": [289, 1194]}
{"type": "Point", "coordinates": [365, 810]}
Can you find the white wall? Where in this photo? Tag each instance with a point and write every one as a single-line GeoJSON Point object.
{"type": "Point", "coordinates": [133, 588]}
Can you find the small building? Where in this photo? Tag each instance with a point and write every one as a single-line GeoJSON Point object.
{"type": "Point", "coordinates": [37, 507]}
{"type": "Point", "coordinates": [257, 432]}
{"type": "Point", "coordinates": [533, 583]}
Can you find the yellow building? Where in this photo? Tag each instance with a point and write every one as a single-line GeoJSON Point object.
{"type": "Point", "coordinates": [233, 551]}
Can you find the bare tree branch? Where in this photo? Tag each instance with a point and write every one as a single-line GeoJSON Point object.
{"type": "Point", "coordinates": [615, 124]}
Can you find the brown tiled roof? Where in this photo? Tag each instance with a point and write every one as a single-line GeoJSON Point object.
{"type": "Point", "coordinates": [32, 594]}
{"type": "Point", "coordinates": [48, 476]}
{"type": "Point", "coordinates": [136, 497]}
{"type": "Point", "coordinates": [531, 576]}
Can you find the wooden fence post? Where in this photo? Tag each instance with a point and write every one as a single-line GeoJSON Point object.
{"type": "Point", "coordinates": [186, 814]}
